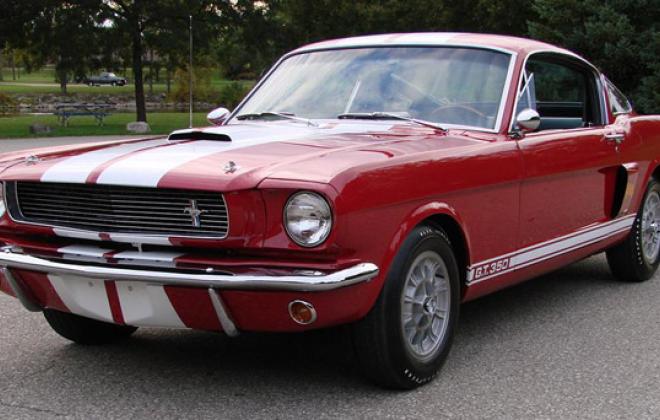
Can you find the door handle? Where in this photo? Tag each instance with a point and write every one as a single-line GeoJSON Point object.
{"type": "Point", "coordinates": [617, 138]}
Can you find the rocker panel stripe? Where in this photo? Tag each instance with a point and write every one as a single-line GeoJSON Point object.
{"type": "Point", "coordinates": [494, 267]}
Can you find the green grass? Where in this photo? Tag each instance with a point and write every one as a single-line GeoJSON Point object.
{"type": "Point", "coordinates": [9, 87]}
{"type": "Point", "coordinates": [46, 75]}
{"type": "Point", "coordinates": [115, 124]}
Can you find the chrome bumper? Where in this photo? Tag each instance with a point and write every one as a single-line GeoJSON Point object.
{"type": "Point", "coordinates": [315, 282]}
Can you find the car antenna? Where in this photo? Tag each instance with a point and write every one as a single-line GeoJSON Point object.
{"type": "Point", "coordinates": [190, 73]}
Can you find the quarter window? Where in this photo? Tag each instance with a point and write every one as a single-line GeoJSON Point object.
{"type": "Point", "coordinates": [619, 104]}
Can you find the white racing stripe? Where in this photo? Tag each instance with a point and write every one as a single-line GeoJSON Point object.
{"type": "Point", "coordinates": [535, 254]}
{"type": "Point", "coordinates": [84, 250]}
{"type": "Point", "coordinates": [83, 296]}
{"type": "Point", "coordinates": [73, 233]}
{"type": "Point", "coordinates": [150, 258]}
{"type": "Point", "coordinates": [130, 238]}
{"type": "Point", "coordinates": [148, 255]}
{"type": "Point", "coordinates": [78, 168]}
{"type": "Point", "coordinates": [142, 305]}
{"type": "Point", "coordinates": [146, 169]}
{"type": "Point", "coordinates": [146, 305]}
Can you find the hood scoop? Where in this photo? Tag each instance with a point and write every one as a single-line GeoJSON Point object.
{"type": "Point", "coordinates": [198, 135]}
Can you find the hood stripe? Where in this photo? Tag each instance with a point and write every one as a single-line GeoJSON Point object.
{"type": "Point", "coordinates": [94, 175]}
{"type": "Point", "coordinates": [78, 168]}
{"type": "Point", "coordinates": [155, 163]}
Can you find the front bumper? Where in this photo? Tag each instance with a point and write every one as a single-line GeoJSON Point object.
{"type": "Point", "coordinates": [312, 281]}
{"type": "Point", "coordinates": [171, 298]}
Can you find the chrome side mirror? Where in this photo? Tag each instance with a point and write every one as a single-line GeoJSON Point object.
{"type": "Point", "coordinates": [528, 120]}
{"type": "Point", "coordinates": [217, 116]}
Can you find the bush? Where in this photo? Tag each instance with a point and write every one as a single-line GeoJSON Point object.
{"type": "Point", "coordinates": [7, 103]}
{"type": "Point", "coordinates": [202, 87]}
{"type": "Point", "coordinates": [231, 94]}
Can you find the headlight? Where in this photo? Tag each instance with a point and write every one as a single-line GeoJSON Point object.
{"type": "Point", "coordinates": [307, 219]}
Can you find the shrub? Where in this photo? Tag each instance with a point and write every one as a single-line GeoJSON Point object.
{"type": "Point", "coordinates": [7, 103]}
{"type": "Point", "coordinates": [231, 94]}
{"type": "Point", "coordinates": [202, 88]}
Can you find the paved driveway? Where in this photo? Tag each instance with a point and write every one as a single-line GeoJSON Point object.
{"type": "Point", "coordinates": [571, 344]}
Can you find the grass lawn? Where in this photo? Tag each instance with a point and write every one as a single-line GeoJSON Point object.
{"type": "Point", "coordinates": [42, 87]}
{"type": "Point", "coordinates": [115, 124]}
{"type": "Point", "coordinates": [44, 79]}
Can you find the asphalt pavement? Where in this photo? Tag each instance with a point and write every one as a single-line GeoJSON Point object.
{"type": "Point", "coordinates": [571, 344]}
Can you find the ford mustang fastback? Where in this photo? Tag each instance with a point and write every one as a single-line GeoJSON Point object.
{"type": "Point", "coordinates": [376, 181]}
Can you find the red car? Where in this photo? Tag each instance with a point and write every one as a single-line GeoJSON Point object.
{"type": "Point", "coordinates": [376, 181]}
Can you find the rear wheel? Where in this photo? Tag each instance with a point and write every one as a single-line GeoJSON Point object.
{"type": "Point", "coordinates": [637, 258]}
{"type": "Point", "coordinates": [83, 330]}
{"type": "Point", "coordinates": [405, 339]}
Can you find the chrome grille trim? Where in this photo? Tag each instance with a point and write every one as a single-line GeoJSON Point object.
{"type": "Point", "coordinates": [117, 209]}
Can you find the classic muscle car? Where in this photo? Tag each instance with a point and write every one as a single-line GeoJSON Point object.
{"type": "Point", "coordinates": [375, 181]}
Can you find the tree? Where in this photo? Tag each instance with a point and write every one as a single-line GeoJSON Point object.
{"type": "Point", "coordinates": [621, 37]}
{"type": "Point", "coordinates": [259, 32]}
{"type": "Point", "coordinates": [141, 19]}
{"type": "Point", "coordinates": [133, 16]}
{"type": "Point", "coordinates": [50, 30]}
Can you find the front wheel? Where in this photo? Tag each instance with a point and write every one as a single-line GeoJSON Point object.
{"type": "Point", "coordinates": [637, 258]}
{"type": "Point", "coordinates": [405, 339]}
{"type": "Point", "coordinates": [83, 330]}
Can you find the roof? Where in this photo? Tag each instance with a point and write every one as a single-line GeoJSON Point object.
{"type": "Point", "coordinates": [500, 42]}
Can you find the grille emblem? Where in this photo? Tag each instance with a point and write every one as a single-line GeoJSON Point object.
{"type": "Point", "coordinates": [195, 213]}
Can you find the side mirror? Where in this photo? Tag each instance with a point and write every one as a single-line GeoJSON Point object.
{"type": "Point", "coordinates": [217, 116]}
{"type": "Point", "coordinates": [528, 120]}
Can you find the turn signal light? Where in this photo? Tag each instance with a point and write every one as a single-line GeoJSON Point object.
{"type": "Point", "coordinates": [302, 312]}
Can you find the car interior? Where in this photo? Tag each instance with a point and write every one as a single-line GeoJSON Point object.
{"type": "Point", "coordinates": [562, 91]}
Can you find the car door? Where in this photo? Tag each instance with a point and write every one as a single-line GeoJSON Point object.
{"type": "Point", "coordinates": [570, 162]}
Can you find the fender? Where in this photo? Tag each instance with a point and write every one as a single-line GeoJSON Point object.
{"type": "Point", "coordinates": [638, 195]}
{"type": "Point", "coordinates": [414, 218]}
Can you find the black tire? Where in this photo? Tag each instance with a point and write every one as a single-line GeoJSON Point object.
{"type": "Point", "coordinates": [380, 344]}
{"type": "Point", "coordinates": [627, 260]}
{"type": "Point", "coordinates": [86, 331]}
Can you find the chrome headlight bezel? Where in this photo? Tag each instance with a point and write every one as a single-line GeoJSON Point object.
{"type": "Point", "coordinates": [324, 210]}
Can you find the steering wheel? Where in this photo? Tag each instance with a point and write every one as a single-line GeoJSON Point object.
{"type": "Point", "coordinates": [460, 106]}
{"type": "Point", "coordinates": [434, 100]}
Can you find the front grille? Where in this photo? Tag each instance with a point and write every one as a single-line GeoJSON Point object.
{"type": "Point", "coordinates": [111, 208]}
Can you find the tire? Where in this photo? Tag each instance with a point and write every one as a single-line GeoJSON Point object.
{"type": "Point", "coordinates": [384, 339]}
{"type": "Point", "coordinates": [86, 331]}
{"type": "Point", "coordinates": [637, 258]}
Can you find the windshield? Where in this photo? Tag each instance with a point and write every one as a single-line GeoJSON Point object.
{"type": "Point", "coordinates": [449, 86]}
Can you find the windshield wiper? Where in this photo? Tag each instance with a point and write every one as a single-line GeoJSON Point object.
{"type": "Point", "coordinates": [271, 114]}
{"type": "Point", "coordinates": [387, 116]}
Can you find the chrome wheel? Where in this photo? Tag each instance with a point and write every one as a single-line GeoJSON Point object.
{"type": "Point", "coordinates": [651, 227]}
{"type": "Point", "coordinates": [425, 304]}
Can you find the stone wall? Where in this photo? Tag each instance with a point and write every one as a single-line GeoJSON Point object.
{"type": "Point", "coordinates": [47, 102]}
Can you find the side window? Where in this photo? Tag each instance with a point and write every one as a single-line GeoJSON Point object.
{"type": "Point", "coordinates": [564, 95]}
{"type": "Point", "coordinates": [619, 104]}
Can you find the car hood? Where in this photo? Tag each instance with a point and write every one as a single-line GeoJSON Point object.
{"type": "Point", "coordinates": [231, 157]}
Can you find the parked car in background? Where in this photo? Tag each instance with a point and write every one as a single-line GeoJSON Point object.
{"type": "Point", "coordinates": [376, 181]}
{"type": "Point", "coordinates": [105, 78]}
